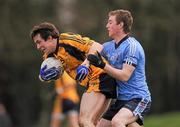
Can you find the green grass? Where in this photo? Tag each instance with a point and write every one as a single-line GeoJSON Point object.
{"type": "Point", "coordinates": [163, 120]}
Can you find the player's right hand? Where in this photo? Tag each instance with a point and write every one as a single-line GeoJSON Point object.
{"type": "Point", "coordinates": [48, 74]}
{"type": "Point", "coordinates": [96, 60]}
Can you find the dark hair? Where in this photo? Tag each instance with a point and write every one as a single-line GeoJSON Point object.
{"type": "Point", "coordinates": [45, 29]}
{"type": "Point", "coordinates": [123, 16]}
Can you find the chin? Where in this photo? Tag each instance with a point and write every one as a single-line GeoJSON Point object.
{"type": "Point", "coordinates": [110, 35]}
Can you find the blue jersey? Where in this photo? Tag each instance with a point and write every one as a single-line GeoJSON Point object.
{"type": "Point", "coordinates": [131, 52]}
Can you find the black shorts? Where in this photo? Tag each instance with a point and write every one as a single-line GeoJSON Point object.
{"type": "Point", "coordinates": [139, 107]}
{"type": "Point", "coordinates": [68, 106]}
{"type": "Point", "coordinates": [104, 84]}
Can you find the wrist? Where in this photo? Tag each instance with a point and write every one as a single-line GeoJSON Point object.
{"type": "Point", "coordinates": [86, 63]}
{"type": "Point", "coordinates": [103, 65]}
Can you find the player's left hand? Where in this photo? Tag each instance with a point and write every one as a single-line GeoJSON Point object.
{"type": "Point", "coordinates": [81, 73]}
{"type": "Point", "coordinates": [49, 74]}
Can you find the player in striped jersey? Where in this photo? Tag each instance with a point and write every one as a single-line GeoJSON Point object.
{"type": "Point", "coordinates": [72, 49]}
{"type": "Point", "coordinates": [127, 64]}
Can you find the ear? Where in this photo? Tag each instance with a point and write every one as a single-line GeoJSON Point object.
{"type": "Point", "coordinates": [50, 38]}
{"type": "Point", "coordinates": [121, 24]}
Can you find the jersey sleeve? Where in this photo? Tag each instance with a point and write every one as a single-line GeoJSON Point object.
{"type": "Point", "coordinates": [131, 54]}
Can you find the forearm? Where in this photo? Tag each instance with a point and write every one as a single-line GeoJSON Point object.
{"type": "Point", "coordinates": [119, 74]}
{"type": "Point", "coordinates": [94, 48]}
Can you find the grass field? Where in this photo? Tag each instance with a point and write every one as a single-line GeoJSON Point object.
{"type": "Point", "coordinates": [160, 120]}
{"type": "Point", "coordinates": [163, 120]}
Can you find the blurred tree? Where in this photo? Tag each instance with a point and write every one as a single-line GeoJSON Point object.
{"type": "Point", "coordinates": [20, 59]}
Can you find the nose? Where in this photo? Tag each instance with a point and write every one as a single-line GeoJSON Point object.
{"type": "Point", "coordinates": [107, 25]}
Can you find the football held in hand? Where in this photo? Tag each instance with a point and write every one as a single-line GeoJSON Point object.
{"type": "Point", "coordinates": [51, 69]}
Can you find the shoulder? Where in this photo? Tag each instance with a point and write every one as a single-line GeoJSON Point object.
{"type": "Point", "coordinates": [69, 35]}
{"type": "Point", "coordinates": [132, 43]}
{"type": "Point", "coordinates": [76, 38]}
{"type": "Point", "coordinates": [133, 46]}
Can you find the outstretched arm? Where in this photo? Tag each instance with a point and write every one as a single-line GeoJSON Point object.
{"type": "Point", "coordinates": [121, 74]}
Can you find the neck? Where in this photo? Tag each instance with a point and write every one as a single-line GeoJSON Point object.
{"type": "Point", "coordinates": [119, 37]}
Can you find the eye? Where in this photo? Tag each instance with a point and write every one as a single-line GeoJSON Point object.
{"type": "Point", "coordinates": [38, 42]}
{"type": "Point", "coordinates": [110, 23]}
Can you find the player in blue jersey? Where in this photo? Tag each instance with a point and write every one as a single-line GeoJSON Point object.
{"type": "Point", "coordinates": [127, 64]}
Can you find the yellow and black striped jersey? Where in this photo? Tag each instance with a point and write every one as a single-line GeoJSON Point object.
{"type": "Point", "coordinates": [71, 51]}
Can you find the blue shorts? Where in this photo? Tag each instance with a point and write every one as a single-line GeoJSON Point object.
{"type": "Point", "coordinates": [139, 107]}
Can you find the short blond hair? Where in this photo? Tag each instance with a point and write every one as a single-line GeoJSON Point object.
{"type": "Point", "coordinates": [123, 16]}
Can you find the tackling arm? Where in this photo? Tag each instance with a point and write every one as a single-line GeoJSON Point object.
{"type": "Point", "coordinates": [120, 74]}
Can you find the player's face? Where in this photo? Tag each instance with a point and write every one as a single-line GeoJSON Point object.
{"type": "Point", "coordinates": [47, 46]}
{"type": "Point", "coordinates": [112, 26]}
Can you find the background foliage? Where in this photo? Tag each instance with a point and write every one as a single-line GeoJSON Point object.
{"type": "Point", "coordinates": [156, 26]}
